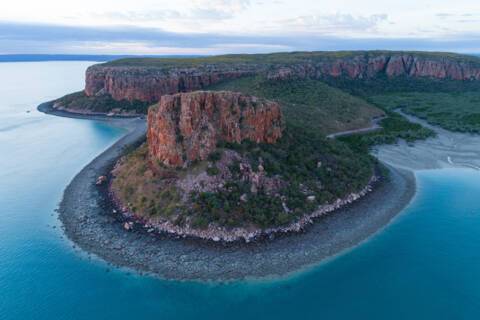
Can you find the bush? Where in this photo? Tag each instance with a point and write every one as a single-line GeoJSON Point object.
{"type": "Point", "coordinates": [212, 171]}
{"type": "Point", "coordinates": [102, 104]}
{"type": "Point", "coordinates": [215, 156]}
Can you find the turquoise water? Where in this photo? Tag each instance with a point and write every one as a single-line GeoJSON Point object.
{"type": "Point", "coordinates": [425, 265]}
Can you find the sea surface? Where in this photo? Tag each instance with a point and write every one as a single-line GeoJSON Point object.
{"type": "Point", "coordinates": [424, 265]}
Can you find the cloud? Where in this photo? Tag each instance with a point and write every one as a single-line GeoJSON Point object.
{"type": "Point", "coordinates": [460, 18]}
{"type": "Point", "coordinates": [336, 23]}
{"type": "Point", "coordinates": [205, 10]}
{"type": "Point", "coordinates": [44, 38]}
{"type": "Point", "coordinates": [218, 9]}
{"type": "Point", "coordinates": [56, 39]}
{"type": "Point", "coordinates": [150, 15]}
{"type": "Point", "coordinates": [444, 15]}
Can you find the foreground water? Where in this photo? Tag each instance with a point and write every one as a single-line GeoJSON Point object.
{"type": "Point", "coordinates": [424, 265]}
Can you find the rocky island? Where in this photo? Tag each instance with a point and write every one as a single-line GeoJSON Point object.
{"type": "Point", "coordinates": [235, 150]}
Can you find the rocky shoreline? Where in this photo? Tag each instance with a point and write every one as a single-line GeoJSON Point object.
{"type": "Point", "coordinates": [90, 220]}
{"type": "Point", "coordinates": [51, 107]}
{"type": "Point", "coordinates": [247, 235]}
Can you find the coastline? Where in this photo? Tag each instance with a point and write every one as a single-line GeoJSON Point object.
{"type": "Point", "coordinates": [239, 234]}
{"type": "Point", "coordinates": [48, 108]}
{"type": "Point", "coordinates": [446, 150]}
{"type": "Point", "coordinates": [89, 220]}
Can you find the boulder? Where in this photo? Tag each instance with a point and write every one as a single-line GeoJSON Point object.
{"type": "Point", "coordinates": [101, 180]}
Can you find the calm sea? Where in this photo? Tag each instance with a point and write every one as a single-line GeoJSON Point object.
{"type": "Point", "coordinates": [425, 265]}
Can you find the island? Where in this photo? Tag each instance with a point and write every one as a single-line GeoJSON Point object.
{"type": "Point", "coordinates": [250, 165]}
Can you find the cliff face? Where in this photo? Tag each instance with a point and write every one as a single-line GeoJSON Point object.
{"type": "Point", "coordinates": [187, 126]}
{"type": "Point", "coordinates": [396, 65]}
{"type": "Point", "coordinates": [149, 83]}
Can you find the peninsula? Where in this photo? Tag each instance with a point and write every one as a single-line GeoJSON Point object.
{"type": "Point", "coordinates": [234, 159]}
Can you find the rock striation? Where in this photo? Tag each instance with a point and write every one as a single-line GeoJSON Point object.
{"type": "Point", "coordinates": [187, 126]}
{"type": "Point", "coordinates": [391, 65]}
{"type": "Point", "coordinates": [148, 82]}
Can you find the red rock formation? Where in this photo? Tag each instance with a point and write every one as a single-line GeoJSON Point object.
{"type": "Point", "coordinates": [396, 65]}
{"type": "Point", "coordinates": [149, 83]}
{"type": "Point", "coordinates": [187, 126]}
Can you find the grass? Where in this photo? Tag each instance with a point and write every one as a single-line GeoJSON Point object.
{"type": "Point", "coordinates": [382, 85]}
{"type": "Point", "coordinates": [309, 103]}
{"type": "Point", "coordinates": [141, 190]}
{"type": "Point", "coordinates": [322, 108]}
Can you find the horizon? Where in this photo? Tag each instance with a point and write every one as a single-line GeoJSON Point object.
{"type": "Point", "coordinates": [105, 58]}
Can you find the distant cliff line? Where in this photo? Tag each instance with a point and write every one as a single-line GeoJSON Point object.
{"type": "Point", "coordinates": [147, 79]}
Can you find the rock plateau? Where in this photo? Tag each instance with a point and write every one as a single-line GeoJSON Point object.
{"type": "Point", "coordinates": [148, 82]}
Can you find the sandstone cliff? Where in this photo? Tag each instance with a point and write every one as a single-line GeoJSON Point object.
{"type": "Point", "coordinates": [149, 84]}
{"type": "Point", "coordinates": [187, 126]}
{"type": "Point", "coordinates": [147, 81]}
{"type": "Point", "coordinates": [392, 65]}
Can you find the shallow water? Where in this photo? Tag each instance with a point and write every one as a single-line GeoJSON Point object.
{"type": "Point", "coordinates": [426, 264]}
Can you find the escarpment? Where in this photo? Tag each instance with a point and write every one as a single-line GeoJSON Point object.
{"type": "Point", "coordinates": [149, 84]}
{"type": "Point", "coordinates": [186, 127]}
{"type": "Point", "coordinates": [146, 80]}
{"type": "Point", "coordinates": [394, 65]}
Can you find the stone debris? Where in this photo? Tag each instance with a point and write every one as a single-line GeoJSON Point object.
{"type": "Point", "coordinates": [101, 180]}
{"type": "Point", "coordinates": [248, 234]}
{"type": "Point", "coordinates": [244, 197]}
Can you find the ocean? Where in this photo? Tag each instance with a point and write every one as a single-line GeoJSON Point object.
{"type": "Point", "coordinates": [424, 265]}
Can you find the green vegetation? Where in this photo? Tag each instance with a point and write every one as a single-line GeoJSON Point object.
{"type": "Point", "coordinates": [101, 104]}
{"type": "Point", "coordinates": [141, 190]}
{"type": "Point", "coordinates": [276, 58]}
{"type": "Point", "coordinates": [394, 127]}
{"type": "Point", "coordinates": [455, 111]}
{"type": "Point", "coordinates": [305, 163]}
{"type": "Point", "coordinates": [309, 103]}
{"type": "Point", "coordinates": [382, 85]}
{"type": "Point", "coordinates": [315, 105]}
{"type": "Point", "coordinates": [310, 166]}
{"type": "Point", "coordinates": [212, 171]}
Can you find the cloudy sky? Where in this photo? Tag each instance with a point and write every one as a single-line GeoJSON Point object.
{"type": "Point", "coordinates": [236, 26]}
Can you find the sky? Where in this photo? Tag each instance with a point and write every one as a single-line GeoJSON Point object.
{"type": "Point", "coordinates": [200, 27]}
